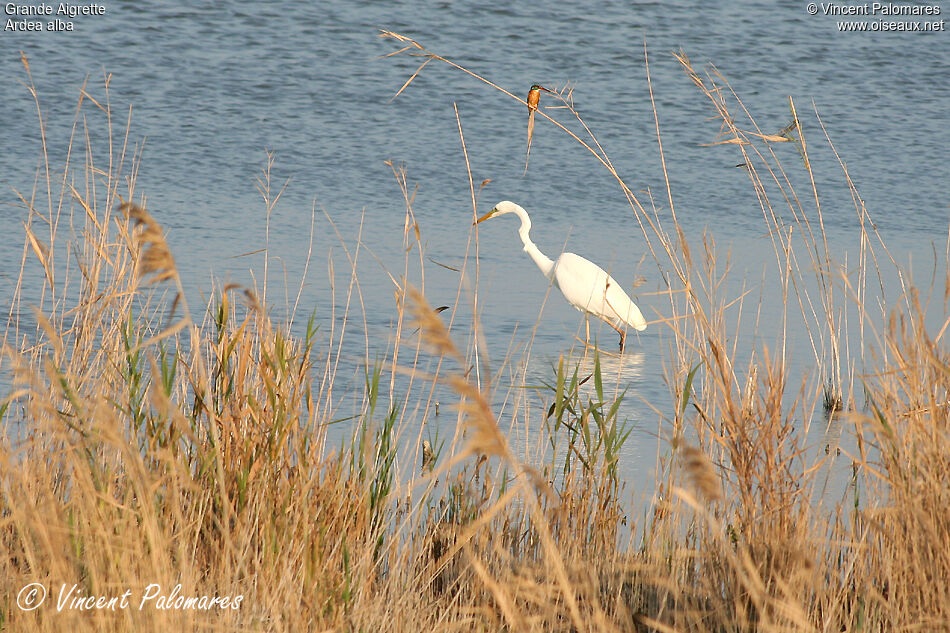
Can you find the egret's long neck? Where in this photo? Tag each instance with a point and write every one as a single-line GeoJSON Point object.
{"type": "Point", "coordinates": [542, 260]}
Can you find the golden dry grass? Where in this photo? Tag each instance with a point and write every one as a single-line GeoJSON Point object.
{"type": "Point", "coordinates": [141, 446]}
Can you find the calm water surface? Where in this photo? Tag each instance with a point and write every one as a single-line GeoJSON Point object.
{"type": "Point", "coordinates": [214, 87]}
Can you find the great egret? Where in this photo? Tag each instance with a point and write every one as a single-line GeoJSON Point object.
{"type": "Point", "coordinates": [584, 284]}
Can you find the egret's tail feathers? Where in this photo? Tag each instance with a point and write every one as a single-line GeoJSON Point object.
{"type": "Point", "coordinates": [635, 318]}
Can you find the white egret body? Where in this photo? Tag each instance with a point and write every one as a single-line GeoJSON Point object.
{"type": "Point", "coordinates": [584, 284]}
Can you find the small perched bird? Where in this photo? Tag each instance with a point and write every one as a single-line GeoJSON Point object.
{"type": "Point", "coordinates": [584, 284]}
{"type": "Point", "coordinates": [534, 96]}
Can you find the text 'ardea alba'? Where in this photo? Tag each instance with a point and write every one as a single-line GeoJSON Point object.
{"type": "Point", "coordinates": [584, 284]}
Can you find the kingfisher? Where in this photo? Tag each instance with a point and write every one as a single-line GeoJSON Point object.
{"type": "Point", "coordinates": [534, 96]}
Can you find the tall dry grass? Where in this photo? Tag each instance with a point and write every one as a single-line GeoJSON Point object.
{"type": "Point", "coordinates": [149, 442]}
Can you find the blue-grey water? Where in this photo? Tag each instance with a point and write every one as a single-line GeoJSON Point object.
{"type": "Point", "coordinates": [213, 87]}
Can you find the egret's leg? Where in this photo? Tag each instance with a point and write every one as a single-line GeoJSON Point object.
{"type": "Point", "coordinates": [621, 332]}
{"type": "Point", "coordinates": [587, 330]}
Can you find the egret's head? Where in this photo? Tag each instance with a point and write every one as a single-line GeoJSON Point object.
{"type": "Point", "coordinates": [500, 209]}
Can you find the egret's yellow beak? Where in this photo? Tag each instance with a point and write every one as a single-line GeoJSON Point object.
{"type": "Point", "coordinates": [485, 217]}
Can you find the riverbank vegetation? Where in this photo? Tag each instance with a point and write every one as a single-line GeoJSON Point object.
{"type": "Point", "coordinates": [147, 441]}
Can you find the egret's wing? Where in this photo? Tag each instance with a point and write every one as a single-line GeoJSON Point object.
{"type": "Point", "coordinates": [620, 304]}
{"type": "Point", "coordinates": [582, 283]}
{"type": "Point", "coordinates": [587, 287]}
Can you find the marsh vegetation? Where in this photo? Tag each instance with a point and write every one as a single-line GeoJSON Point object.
{"type": "Point", "coordinates": [149, 440]}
